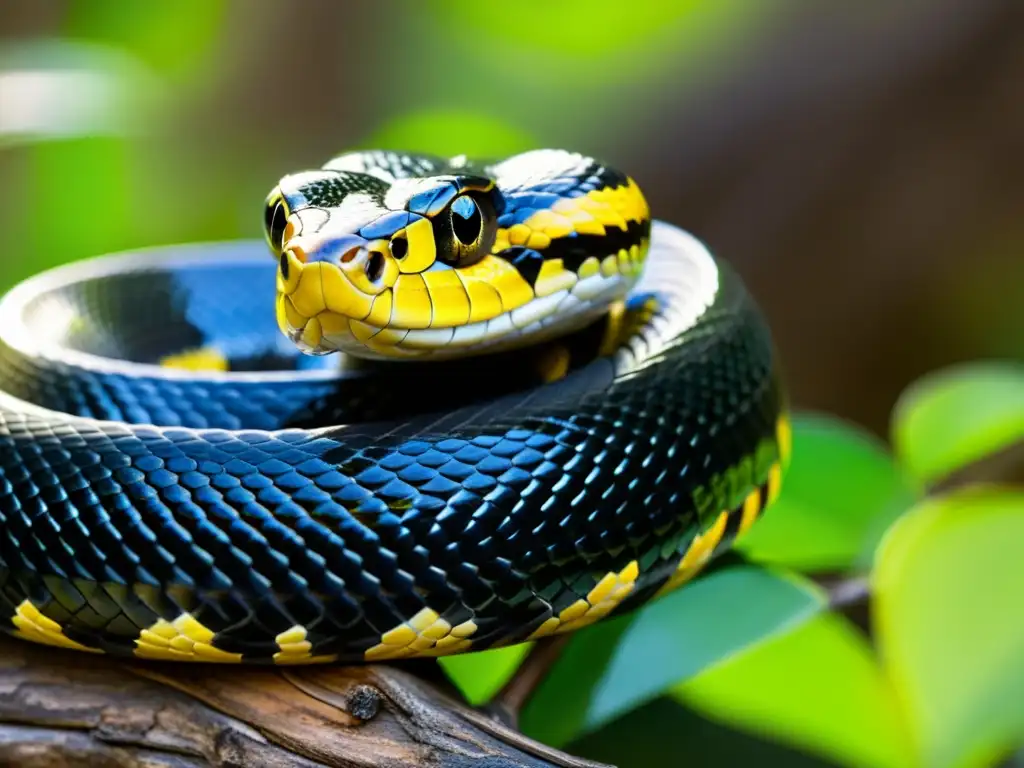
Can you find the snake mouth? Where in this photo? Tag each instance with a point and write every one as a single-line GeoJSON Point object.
{"type": "Point", "coordinates": [316, 301]}
{"type": "Point", "coordinates": [357, 296]}
{"type": "Point", "coordinates": [437, 314]}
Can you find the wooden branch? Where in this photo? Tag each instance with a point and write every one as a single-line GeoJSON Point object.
{"type": "Point", "coordinates": [65, 708]}
{"type": "Point", "coordinates": [511, 699]}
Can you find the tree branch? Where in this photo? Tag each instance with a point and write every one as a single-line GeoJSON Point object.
{"type": "Point", "coordinates": [511, 699]}
{"type": "Point", "coordinates": [60, 708]}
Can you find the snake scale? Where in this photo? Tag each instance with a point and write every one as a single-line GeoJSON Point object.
{"type": "Point", "coordinates": [548, 409]}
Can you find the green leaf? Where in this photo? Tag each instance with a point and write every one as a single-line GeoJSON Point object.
{"type": "Point", "coordinates": [598, 29]}
{"type": "Point", "coordinates": [481, 675]}
{"type": "Point", "coordinates": [450, 133]}
{"type": "Point", "coordinates": [954, 417]}
{"type": "Point", "coordinates": [618, 665]}
{"type": "Point", "coordinates": [175, 37]}
{"type": "Point", "coordinates": [840, 493]}
{"type": "Point", "coordinates": [665, 734]}
{"type": "Point", "coordinates": [949, 587]}
{"type": "Point", "coordinates": [817, 687]}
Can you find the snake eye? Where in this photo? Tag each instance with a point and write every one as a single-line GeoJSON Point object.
{"type": "Point", "coordinates": [467, 222]}
{"type": "Point", "coordinates": [466, 231]}
{"type": "Point", "coordinates": [399, 247]}
{"type": "Point", "coordinates": [275, 219]}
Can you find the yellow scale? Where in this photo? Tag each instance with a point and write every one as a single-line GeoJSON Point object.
{"type": "Point", "coordinates": [703, 545]}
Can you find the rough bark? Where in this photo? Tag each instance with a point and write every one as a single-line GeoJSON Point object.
{"type": "Point", "coordinates": [63, 708]}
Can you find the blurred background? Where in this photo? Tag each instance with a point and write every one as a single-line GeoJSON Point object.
{"type": "Point", "coordinates": [860, 163]}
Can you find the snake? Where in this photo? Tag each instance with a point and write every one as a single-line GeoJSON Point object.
{"type": "Point", "coordinates": [461, 405]}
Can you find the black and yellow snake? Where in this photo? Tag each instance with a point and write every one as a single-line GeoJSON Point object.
{"type": "Point", "coordinates": [550, 410]}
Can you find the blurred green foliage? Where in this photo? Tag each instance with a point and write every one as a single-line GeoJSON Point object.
{"type": "Point", "coordinates": [957, 416]}
{"type": "Point", "coordinates": [109, 163]}
{"type": "Point", "coordinates": [817, 686]}
{"type": "Point", "coordinates": [621, 664]}
{"type": "Point", "coordinates": [842, 491]}
{"type": "Point", "coordinates": [939, 679]}
{"type": "Point", "coordinates": [481, 675]}
{"type": "Point", "coordinates": [175, 38]}
{"type": "Point", "coordinates": [450, 133]}
{"type": "Point", "coordinates": [592, 28]}
{"type": "Point", "coordinates": [948, 583]}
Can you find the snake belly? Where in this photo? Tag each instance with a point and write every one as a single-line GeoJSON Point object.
{"type": "Point", "coordinates": [177, 482]}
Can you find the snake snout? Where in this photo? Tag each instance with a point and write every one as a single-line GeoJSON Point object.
{"type": "Point", "coordinates": [363, 262]}
{"type": "Point", "coordinates": [336, 251]}
{"type": "Point", "coordinates": [326, 284]}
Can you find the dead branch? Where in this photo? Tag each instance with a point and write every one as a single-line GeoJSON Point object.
{"type": "Point", "coordinates": [63, 708]}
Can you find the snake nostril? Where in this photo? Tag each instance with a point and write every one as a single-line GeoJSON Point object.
{"type": "Point", "coordinates": [375, 266]}
{"type": "Point", "coordinates": [350, 254]}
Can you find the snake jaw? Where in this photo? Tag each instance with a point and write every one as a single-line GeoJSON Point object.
{"type": "Point", "coordinates": [327, 302]}
{"type": "Point", "coordinates": [318, 299]}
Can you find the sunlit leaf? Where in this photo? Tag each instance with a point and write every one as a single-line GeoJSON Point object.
{"type": "Point", "coordinates": [817, 687]}
{"type": "Point", "coordinates": [175, 37]}
{"type": "Point", "coordinates": [558, 710]}
{"type": "Point", "coordinates": [481, 675]}
{"type": "Point", "coordinates": [597, 29]}
{"type": "Point", "coordinates": [616, 666]}
{"type": "Point", "coordinates": [69, 112]}
{"type": "Point", "coordinates": [840, 493]}
{"type": "Point", "coordinates": [82, 203]}
{"type": "Point", "coordinates": [561, 68]}
{"type": "Point", "coordinates": [958, 416]}
{"type": "Point", "coordinates": [451, 133]}
{"type": "Point", "coordinates": [949, 616]}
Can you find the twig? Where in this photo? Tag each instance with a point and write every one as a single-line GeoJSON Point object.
{"type": "Point", "coordinates": [510, 700]}
{"type": "Point", "coordinates": [849, 593]}
{"type": "Point", "coordinates": [1006, 465]}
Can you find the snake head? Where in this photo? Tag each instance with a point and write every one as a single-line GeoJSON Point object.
{"type": "Point", "coordinates": [379, 261]}
{"type": "Point", "coordinates": [364, 263]}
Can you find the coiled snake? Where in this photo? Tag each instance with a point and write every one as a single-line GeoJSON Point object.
{"type": "Point", "coordinates": [549, 410]}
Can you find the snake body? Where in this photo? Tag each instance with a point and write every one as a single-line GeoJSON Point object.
{"type": "Point", "coordinates": [551, 410]}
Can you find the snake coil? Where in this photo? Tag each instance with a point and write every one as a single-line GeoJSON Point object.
{"type": "Point", "coordinates": [550, 410]}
